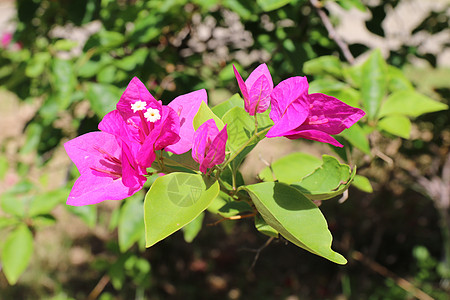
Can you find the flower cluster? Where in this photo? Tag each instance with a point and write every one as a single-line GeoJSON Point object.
{"type": "Point", "coordinates": [113, 162]}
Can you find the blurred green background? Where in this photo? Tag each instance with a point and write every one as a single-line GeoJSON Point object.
{"type": "Point", "coordinates": [64, 65]}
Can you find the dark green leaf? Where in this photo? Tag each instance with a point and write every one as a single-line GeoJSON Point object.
{"type": "Point", "coordinates": [103, 97]}
{"type": "Point", "coordinates": [131, 222]}
{"type": "Point", "coordinates": [191, 230]}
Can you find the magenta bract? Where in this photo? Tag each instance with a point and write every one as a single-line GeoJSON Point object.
{"type": "Point", "coordinates": [149, 123]}
{"type": "Point", "coordinates": [209, 145]}
{"type": "Point", "coordinates": [256, 89]}
{"type": "Point", "coordinates": [102, 160]}
{"type": "Point", "coordinates": [186, 106]}
{"type": "Point", "coordinates": [297, 114]}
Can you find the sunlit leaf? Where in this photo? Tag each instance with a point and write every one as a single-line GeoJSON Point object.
{"type": "Point", "coordinates": [295, 217]}
{"type": "Point", "coordinates": [362, 183]}
{"type": "Point", "coordinates": [173, 201]}
{"type": "Point", "coordinates": [373, 83]}
{"type": "Point", "coordinates": [396, 125]}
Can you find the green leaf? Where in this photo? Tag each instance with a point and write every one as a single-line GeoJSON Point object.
{"type": "Point", "coordinates": [348, 4]}
{"type": "Point", "coordinates": [131, 223]}
{"type": "Point", "coordinates": [295, 217]}
{"type": "Point", "coordinates": [268, 5]}
{"type": "Point", "coordinates": [44, 203]}
{"type": "Point", "coordinates": [397, 80]}
{"type": "Point", "coordinates": [64, 45]}
{"type": "Point", "coordinates": [7, 221]}
{"type": "Point", "coordinates": [234, 101]}
{"type": "Point", "coordinates": [4, 167]}
{"type": "Point", "coordinates": [36, 65]}
{"type": "Point", "coordinates": [129, 63]}
{"type": "Point", "coordinates": [373, 83]}
{"type": "Point", "coordinates": [396, 125]}
{"type": "Point", "coordinates": [13, 204]}
{"type": "Point", "coordinates": [262, 226]}
{"type": "Point", "coordinates": [16, 253]}
{"type": "Point", "coordinates": [191, 230]}
{"type": "Point", "coordinates": [63, 81]}
{"type": "Point", "coordinates": [291, 168]}
{"type": "Point", "coordinates": [33, 133]}
{"type": "Point", "coordinates": [356, 136]}
{"type": "Point", "coordinates": [107, 74]}
{"type": "Point", "coordinates": [87, 213]}
{"type": "Point", "coordinates": [225, 206]}
{"type": "Point", "coordinates": [410, 103]}
{"type": "Point", "coordinates": [362, 183]}
{"type": "Point", "coordinates": [240, 127]}
{"type": "Point", "coordinates": [173, 201]}
{"type": "Point", "coordinates": [328, 181]}
{"type": "Point", "coordinates": [324, 65]}
{"type": "Point", "coordinates": [103, 97]}
{"type": "Point", "coordinates": [204, 114]}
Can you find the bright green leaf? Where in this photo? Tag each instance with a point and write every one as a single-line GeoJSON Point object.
{"type": "Point", "coordinates": [131, 222]}
{"type": "Point", "coordinates": [356, 136]}
{"type": "Point", "coordinates": [225, 206]}
{"type": "Point", "coordinates": [36, 66]}
{"type": "Point", "coordinates": [410, 103]}
{"type": "Point", "coordinates": [240, 127]}
{"type": "Point", "coordinates": [44, 203]}
{"type": "Point", "coordinates": [234, 101]}
{"type": "Point", "coordinates": [396, 125]}
{"type": "Point", "coordinates": [268, 5]}
{"type": "Point", "coordinates": [17, 252]}
{"type": "Point", "coordinates": [348, 4]}
{"type": "Point", "coordinates": [373, 83]}
{"type": "Point", "coordinates": [173, 201]}
{"type": "Point", "coordinates": [295, 217]}
{"type": "Point", "coordinates": [323, 65]}
{"type": "Point", "coordinates": [362, 183]}
{"type": "Point", "coordinates": [33, 134]}
{"type": "Point", "coordinates": [87, 213]}
{"type": "Point", "coordinates": [262, 226]}
{"type": "Point", "coordinates": [103, 97]}
{"type": "Point", "coordinates": [291, 168]}
{"type": "Point", "coordinates": [204, 114]}
{"type": "Point", "coordinates": [64, 45]}
{"type": "Point", "coordinates": [397, 80]}
{"type": "Point", "coordinates": [63, 81]}
{"type": "Point", "coordinates": [191, 230]}
{"type": "Point", "coordinates": [4, 166]}
{"type": "Point", "coordinates": [328, 181]}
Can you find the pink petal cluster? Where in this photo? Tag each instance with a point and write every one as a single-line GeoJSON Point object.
{"type": "Point", "coordinates": [297, 114]}
{"type": "Point", "coordinates": [209, 145]}
{"type": "Point", "coordinates": [113, 162]}
{"type": "Point", "coordinates": [256, 89]}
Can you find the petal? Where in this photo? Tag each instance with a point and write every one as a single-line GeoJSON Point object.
{"type": "Point", "coordinates": [290, 105]}
{"type": "Point", "coordinates": [186, 106]}
{"type": "Point", "coordinates": [261, 70]}
{"type": "Point", "coordinates": [314, 135]}
{"type": "Point", "coordinates": [242, 86]}
{"type": "Point", "coordinates": [84, 151]}
{"type": "Point", "coordinates": [135, 91]}
{"type": "Point", "coordinates": [259, 96]}
{"type": "Point", "coordinates": [113, 123]}
{"type": "Point", "coordinates": [330, 115]}
{"type": "Point", "coordinates": [91, 189]}
{"type": "Point", "coordinates": [216, 151]}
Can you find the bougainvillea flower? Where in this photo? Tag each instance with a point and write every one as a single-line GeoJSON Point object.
{"type": "Point", "coordinates": [186, 107]}
{"type": "Point", "coordinates": [256, 89]}
{"type": "Point", "coordinates": [102, 160]}
{"type": "Point", "coordinates": [297, 114]}
{"type": "Point", "coordinates": [209, 145]}
{"type": "Point", "coordinates": [151, 124]}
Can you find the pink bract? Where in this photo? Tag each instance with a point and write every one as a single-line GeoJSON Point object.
{"type": "Point", "coordinates": [209, 145]}
{"type": "Point", "coordinates": [297, 114]}
{"type": "Point", "coordinates": [186, 106]}
{"type": "Point", "coordinates": [102, 161]}
{"type": "Point", "coordinates": [256, 89]}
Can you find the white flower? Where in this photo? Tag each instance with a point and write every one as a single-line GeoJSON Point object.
{"type": "Point", "coordinates": [152, 115]}
{"type": "Point", "coordinates": [138, 105]}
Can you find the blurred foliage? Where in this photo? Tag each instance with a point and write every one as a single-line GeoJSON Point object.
{"type": "Point", "coordinates": [178, 46]}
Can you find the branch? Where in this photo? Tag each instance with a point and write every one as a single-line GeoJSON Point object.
{"type": "Point", "coordinates": [331, 32]}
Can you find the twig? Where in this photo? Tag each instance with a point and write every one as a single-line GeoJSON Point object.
{"type": "Point", "coordinates": [331, 32]}
{"type": "Point", "coordinates": [383, 271]}
{"type": "Point", "coordinates": [258, 251]}
{"type": "Point", "coordinates": [98, 288]}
